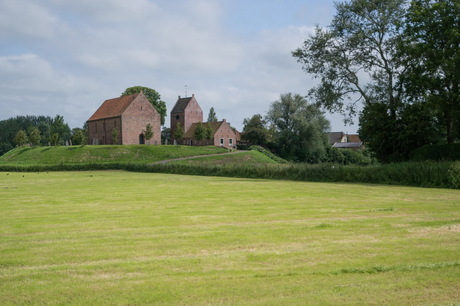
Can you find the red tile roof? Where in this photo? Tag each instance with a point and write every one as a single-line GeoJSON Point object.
{"type": "Point", "coordinates": [113, 107]}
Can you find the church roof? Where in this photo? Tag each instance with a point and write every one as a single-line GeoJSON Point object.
{"type": "Point", "coordinates": [113, 107]}
{"type": "Point", "coordinates": [181, 104]}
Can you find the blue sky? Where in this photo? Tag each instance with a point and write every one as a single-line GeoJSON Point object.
{"type": "Point", "coordinates": [67, 57]}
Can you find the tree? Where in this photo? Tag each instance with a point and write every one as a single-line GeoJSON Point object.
{"type": "Point", "coordinates": [153, 96]}
{"type": "Point", "coordinates": [59, 130]}
{"type": "Point", "coordinates": [178, 132]}
{"type": "Point", "coordinates": [212, 115]}
{"type": "Point", "coordinates": [354, 58]}
{"type": "Point", "coordinates": [208, 133]}
{"type": "Point", "coordinates": [148, 134]}
{"type": "Point", "coordinates": [34, 136]}
{"type": "Point", "coordinates": [54, 139]}
{"type": "Point", "coordinates": [199, 133]}
{"type": "Point", "coordinates": [255, 131]}
{"type": "Point", "coordinates": [165, 135]}
{"type": "Point", "coordinates": [21, 138]}
{"type": "Point", "coordinates": [300, 128]}
{"type": "Point", "coordinates": [114, 135]}
{"type": "Point", "coordinates": [430, 48]}
{"type": "Point", "coordinates": [79, 136]}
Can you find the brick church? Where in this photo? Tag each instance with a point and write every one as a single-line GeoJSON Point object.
{"type": "Point", "coordinates": [187, 113]}
{"type": "Point", "coordinates": [126, 118]}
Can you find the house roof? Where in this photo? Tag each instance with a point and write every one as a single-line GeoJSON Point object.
{"type": "Point", "coordinates": [191, 131]}
{"type": "Point", "coordinates": [353, 138]}
{"type": "Point", "coordinates": [335, 137]}
{"type": "Point", "coordinates": [347, 145]}
{"type": "Point", "coordinates": [113, 107]}
{"type": "Point", "coordinates": [181, 104]}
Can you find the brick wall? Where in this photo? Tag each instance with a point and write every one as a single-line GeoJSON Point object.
{"type": "Point", "coordinates": [135, 119]}
{"type": "Point", "coordinates": [226, 135]}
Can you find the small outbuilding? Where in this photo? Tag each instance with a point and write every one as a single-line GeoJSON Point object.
{"type": "Point", "coordinates": [223, 135]}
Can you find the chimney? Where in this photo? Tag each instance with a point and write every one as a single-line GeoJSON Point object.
{"type": "Point", "coordinates": [193, 95]}
{"type": "Point", "coordinates": [178, 97]}
{"type": "Point", "coordinates": [224, 120]}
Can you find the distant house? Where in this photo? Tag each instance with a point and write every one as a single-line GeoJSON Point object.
{"type": "Point", "coordinates": [223, 135]}
{"type": "Point", "coordinates": [126, 117]}
{"type": "Point", "coordinates": [187, 113]}
{"type": "Point", "coordinates": [341, 140]}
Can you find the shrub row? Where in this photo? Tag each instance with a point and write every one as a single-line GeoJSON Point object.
{"type": "Point", "coordinates": [422, 174]}
{"type": "Point", "coordinates": [442, 152]}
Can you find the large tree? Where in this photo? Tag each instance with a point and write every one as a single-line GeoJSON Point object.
{"type": "Point", "coordinates": [255, 131]}
{"type": "Point", "coordinates": [300, 128]}
{"type": "Point", "coordinates": [354, 57]}
{"type": "Point", "coordinates": [430, 48]}
{"type": "Point", "coordinates": [358, 63]}
{"type": "Point", "coordinates": [153, 96]}
{"type": "Point", "coordinates": [212, 117]}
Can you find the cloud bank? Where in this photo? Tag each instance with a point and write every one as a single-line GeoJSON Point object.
{"type": "Point", "coordinates": [67, 57]}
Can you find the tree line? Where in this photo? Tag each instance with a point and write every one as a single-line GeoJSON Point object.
{"type": "Point", "coordinates": [399, 61]}
{"type": "Point", "coordinates": [37, 131]}
{"type": "Point", "coordinates": [394, 63]}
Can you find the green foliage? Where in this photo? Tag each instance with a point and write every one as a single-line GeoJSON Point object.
{"type": "Point", "coordinates": [255, 131]}
{"type": "Point", "coordinates": [114, 135]}
{"type": "Point", "coordinates": [34, 136]}
{"type": "Point", "coordinates": [153, 96]}
{"type": "Point", "coordinates": [165, 135]}
{"type": "Point", "coordinates": [21, 138]}
{"type": "Point", "coordinates": [54, 139]}
{"type": "Point", "coordinates": [442, 152]}
{"type": "Point", "coordinates": [300, 129]}
{"type": "Point", "coordinates": [179, 131]}
{"type": "Point", "coordinates": [208, 134]}
{"type": "Point", "coordinates": [59, 131]}
{"type": "Point", "coordinates": [79, 136]}
{"type": "Point", "coordinates": [429, 47]}
{"type": "Point", "coordinates": [353, 57]}
{"type": "Point", "coordinates": [391, 139]}
{"type": "Point", "coordinates": [148, 134]}
{"type": "Point", "coordinates": [268, 153]}
{"type": "Point", "coordinates": [212, 117]}
{"type": "Point", "coordinates": [349, 157]}
{"type": "Point", "coordinates": [10, 127]}
{"type": "Point", "coordinates": [199, 133]}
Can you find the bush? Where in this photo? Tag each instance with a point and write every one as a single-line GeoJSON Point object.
{"type": "Point", "coordinates": [442, 152]}
{"type": "Point", "coordinates": [420, 174]}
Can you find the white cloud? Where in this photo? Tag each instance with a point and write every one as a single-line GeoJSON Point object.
{"type": "Point", "coordinates": [22, 18]}
{"type": "Point", "coordinates": [75, 54]}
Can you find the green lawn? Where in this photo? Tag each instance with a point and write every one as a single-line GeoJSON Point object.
{"type": "Point", "coordinates": [139, 238]}
{"type": "Point", "coordinates": [141, 154]}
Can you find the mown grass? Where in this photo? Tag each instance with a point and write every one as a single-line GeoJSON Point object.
{"type": "Point", "coordinates": [249, 158]}
{"type": "Point", "coordinates": [139, 154]}
{"type": "Point", "coordinates": [115, 237]}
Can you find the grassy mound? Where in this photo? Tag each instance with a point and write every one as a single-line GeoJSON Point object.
{"type": "Point", "coordinates": [238, 158]}
{"type": "Point", "coordinates": [138, 154]}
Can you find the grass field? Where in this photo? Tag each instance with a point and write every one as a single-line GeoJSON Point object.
{"type": "Point", "coordinates": [138, 238]}
{"type": "Point", "coordinates": [140, 154]}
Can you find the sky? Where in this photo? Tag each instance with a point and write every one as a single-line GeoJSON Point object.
{"type": "Point", "coordinates": [65, 58]}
